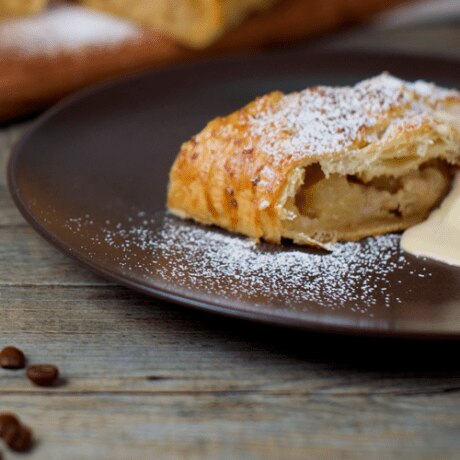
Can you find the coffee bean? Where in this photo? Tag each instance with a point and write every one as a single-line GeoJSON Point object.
{"type": "Point", "coordinates": [8, 423]}
{"type": "Point", "coordinates": [43, 375]}
{"type": "Point", "coordinates": [17, 437]}
{"type": "Point", "coordinates": [21, 441]}
{"type": "Point", "coordinates": [12, 358]}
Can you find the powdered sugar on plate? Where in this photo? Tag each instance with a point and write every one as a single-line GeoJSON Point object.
{"type": "Point", "coordinates": [206, 261]}
{"type": "Point", "coordinates": [64, 28]}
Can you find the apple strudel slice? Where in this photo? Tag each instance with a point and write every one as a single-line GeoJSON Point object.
{"type": "Point", "coordinates": [322, 165]}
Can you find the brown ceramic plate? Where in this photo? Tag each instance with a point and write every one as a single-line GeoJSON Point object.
{"type": "Point", "coordinates": [91, 177]}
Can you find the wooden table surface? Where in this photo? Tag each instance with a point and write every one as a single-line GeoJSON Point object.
{"type": "Point", "coordinates": [149, 380]}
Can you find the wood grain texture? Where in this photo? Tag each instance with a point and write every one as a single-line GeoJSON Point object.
{"type": "Point", "coordinates": [147, 379]}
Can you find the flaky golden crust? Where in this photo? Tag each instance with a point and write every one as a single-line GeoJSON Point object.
{"type": "Point", "coordinates": [241, 171]}
{"type": "Point", "coordinates": [218, 177]}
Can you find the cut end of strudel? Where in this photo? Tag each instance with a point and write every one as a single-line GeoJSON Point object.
{"type": "Point", "coordinates": [323, 165]}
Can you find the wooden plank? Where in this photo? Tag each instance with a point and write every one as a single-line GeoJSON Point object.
{"type": "Point", "coordinates": [227, 426]}
{"type": "Point", "coordinates": [143, 376]}
{"type": "Point", "coordinates": [110, 339]}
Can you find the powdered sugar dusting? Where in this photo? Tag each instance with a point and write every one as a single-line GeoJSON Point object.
{"type": "Point", "coordinates": [325, 120]}
{"type": "Point", "coordinates": [64, 28]}
{"type": "Point", "coordinates": [208, 261]}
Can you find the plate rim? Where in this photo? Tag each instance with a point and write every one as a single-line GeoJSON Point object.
{"type": "Point", "coordinates": [183, 299]}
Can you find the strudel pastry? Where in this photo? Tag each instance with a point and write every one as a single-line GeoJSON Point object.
{"type": "Point", "coordinates": [9, 8]}
{"type": "Point", "coordinates": [194, 22]}
{"type": "Point", "coordinates": [322, 165]}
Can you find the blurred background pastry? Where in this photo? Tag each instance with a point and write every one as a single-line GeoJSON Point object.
{"type": "Point", "coordinates": [68, 45]}
{"type": "Point", "coordinates": [193, 22]}
{"type": "Point", "coordinates": [10, 8]}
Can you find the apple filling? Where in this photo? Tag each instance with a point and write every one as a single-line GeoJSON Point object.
{"type": "Point", "coordinates": [346, 207]}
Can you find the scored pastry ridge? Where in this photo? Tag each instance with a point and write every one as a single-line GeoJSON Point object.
{"type": "Point", "coordinates": [322, 165]}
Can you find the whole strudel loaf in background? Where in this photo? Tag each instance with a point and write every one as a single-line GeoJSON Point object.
{"type": "Point", "coordinates": [196, 23]}
{"type": "Point", "coordinates": [41, 59]}
{"type": "Point", "coordinates": [199, 23]}
{"type": "Point", "coordinates": [323, 165]}
{"type": "Point", "coordinates": [12, 8]}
